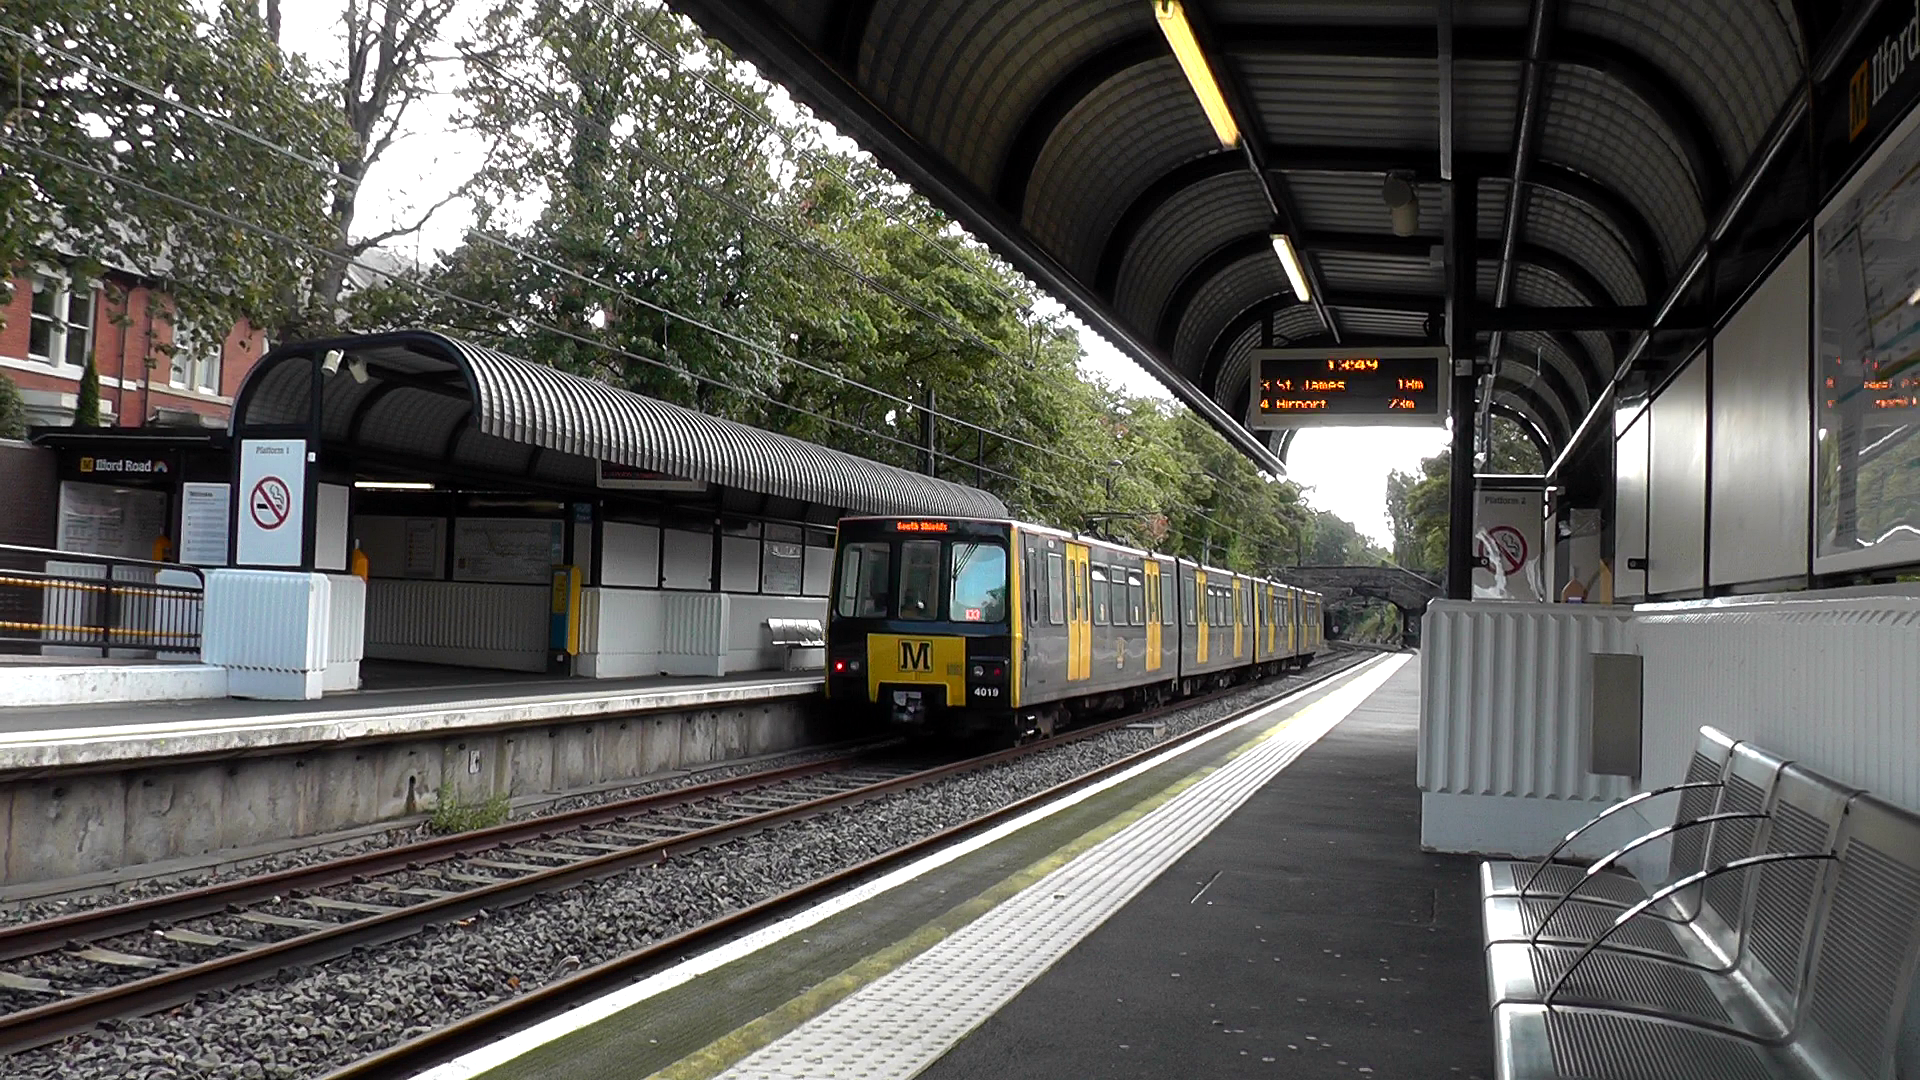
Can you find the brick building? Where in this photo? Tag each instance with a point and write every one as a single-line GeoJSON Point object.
{"type": "Point", "coordinates": [55, 320]}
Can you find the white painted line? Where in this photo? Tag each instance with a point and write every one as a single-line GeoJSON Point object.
{"type": "Point", "coordinates": [475, 1062]}
{"type": "Point", "coordinates": [903, 1021]}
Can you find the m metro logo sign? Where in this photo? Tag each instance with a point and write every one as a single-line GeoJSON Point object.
{"type": "Point", "coordinates": [1859, 100]}
{"type": "Point", "coordinates": [916, 656]}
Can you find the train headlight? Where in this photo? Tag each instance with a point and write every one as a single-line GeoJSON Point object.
{"type": "Point", "coordinates": [845, 666]}
{"type": "Point", "coordinates": [979, 670]}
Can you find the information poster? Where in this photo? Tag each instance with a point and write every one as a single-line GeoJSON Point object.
{"type": "Point", "coordinates": [99, 519]}
{"type": "Point", "coordinates": [272, 508]}
{"type": "Point", "coordinates": [1507, 538]}
{"type": "Point", "coordinates": [507, 550]}
{"type": "Point", "coordinates": [204, 512]}
{"type": "Point", "coordinates": [1867, 365]}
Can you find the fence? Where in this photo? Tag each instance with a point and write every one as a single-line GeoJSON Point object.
{"type": "Point", "coordinates": [55, 602]}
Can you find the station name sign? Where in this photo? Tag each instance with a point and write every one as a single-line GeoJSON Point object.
{"type": "Point", "coordinates": [1341, 387]}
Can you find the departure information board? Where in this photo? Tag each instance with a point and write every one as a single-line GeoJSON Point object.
{"type": "Point", "coordinates": [1333, 387]}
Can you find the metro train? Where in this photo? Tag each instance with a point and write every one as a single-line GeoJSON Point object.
{"type": "Point", "coordinates": [986, 626]}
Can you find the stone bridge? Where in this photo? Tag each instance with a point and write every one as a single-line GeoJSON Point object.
{"type": "Point", "coordinates": [1396, 585]}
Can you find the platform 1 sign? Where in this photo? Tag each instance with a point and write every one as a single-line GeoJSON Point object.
{"type": "Point", "coordinates": [271, 511]}
{"type": "Point", "coordinates": [1333, 386]}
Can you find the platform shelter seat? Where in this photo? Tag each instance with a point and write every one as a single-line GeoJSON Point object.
{"type": "Point", "coordinates": [1732, 832]}
{"type": "Point", "coordinates": [1800, 959]}
{"type": "Point", "coordinates": [1699, 795]}
{"type": "Point", "coordinates": [794, 635]}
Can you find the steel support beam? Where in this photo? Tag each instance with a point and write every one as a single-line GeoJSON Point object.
{"type": "Point", "coordinates": [754, 30]}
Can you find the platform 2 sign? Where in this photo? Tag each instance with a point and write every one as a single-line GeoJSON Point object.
{"type": "Point", "coordinates": [1334, 387]}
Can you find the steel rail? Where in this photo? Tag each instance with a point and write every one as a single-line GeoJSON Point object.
{"type": "Point", "coordinates": [38, 1025]}
{"type": "Point", "coordinates": [414, 1056]}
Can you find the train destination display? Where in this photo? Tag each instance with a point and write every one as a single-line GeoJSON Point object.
{"type": "Point", "coordinates": [1866, 392]}
{"type": "Point", "coordinates": [1332, 387]}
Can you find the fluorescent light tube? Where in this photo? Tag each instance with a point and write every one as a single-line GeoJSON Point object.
{"type": "Point", "coordinates": [1290, 260]}
{"type": "Point", "coordinates": [1186, 49]}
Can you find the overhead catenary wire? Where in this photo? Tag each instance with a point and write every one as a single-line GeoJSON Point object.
{"type": "Point", "coordinates": [333, 173]}
{"type": "Point", "coordinates": [501, 313]}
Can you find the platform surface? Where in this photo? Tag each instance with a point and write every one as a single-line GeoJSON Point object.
{"type": "Point", "coordinates": [54, 736]}
{"type": "Point", "coordinates": [1257, 906]}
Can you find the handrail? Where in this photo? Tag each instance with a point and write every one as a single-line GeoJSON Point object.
{"type": "Point", "coordinates": [110, 560]}
{"type": "Point", "coordinates": [1657, 834]}
{"type": "Point", "coordinates": [92, 605]}
{"type": "Point", "coordinates": [1687, 882]}
{"type": "Point", "coordinates": [1604, 814]}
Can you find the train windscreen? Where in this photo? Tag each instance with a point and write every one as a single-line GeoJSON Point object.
{"type": "Point", "coordinates": [880, 579]}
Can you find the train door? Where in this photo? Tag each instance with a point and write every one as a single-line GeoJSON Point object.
{"type": "Point", "coordinates": [1205, 615]}
{"type": "Point", "coordinates": [1239, 619]}
{"type": "Point", "coordinates": [1079, 615]}
{"type": "Point", "coordinates": [1152, 571]}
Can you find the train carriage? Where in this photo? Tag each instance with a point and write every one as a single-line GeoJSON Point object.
{"type": "Point", "coordinates": [966, 625]}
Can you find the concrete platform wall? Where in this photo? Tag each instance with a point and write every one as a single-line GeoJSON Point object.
{"type": "Point", "coordinates": [70, 824]}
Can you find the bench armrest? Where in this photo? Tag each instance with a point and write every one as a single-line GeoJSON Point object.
{"type": "Point", "coordinates": [1688, 882]}
{"type": "Point", "coordinates": [1630, 800]}
{"type": "Point", "coordinates": [1603, 864]}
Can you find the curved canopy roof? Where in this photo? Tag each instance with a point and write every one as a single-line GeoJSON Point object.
{"type": "Point", "coordinates": [456, 407]}
{"type": "Point", "coordinates": [1064, 133]}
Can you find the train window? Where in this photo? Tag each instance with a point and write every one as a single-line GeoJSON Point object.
{"type": "Point", "coordinates": [865, 574]}
{"type": "Point", "coordinates": [1194, 606]}
{"type": "Point", "coordinates": [1036, 589]}
{"type": "Point", "coordinates": [1166, 599]}
{"type": "Point", "coordinates": [1099, 595]}
{"type": "Point", "coordinates": [920, 579]}
{"type": "Point", "coordinates": [1135, 597]}
{"type": "Point", "coordinates": [979, 582]}
{"type": "Point", "coordinates": [1056, 586]}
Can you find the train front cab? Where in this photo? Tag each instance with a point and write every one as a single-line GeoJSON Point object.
{"type": "Point", "coordinates": [924, 625]}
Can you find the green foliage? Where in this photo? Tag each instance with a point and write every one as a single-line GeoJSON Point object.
{"type": "Point", "coordinates": [451, 814]}
{"type": "Point", "coordinates": [1418, 506]}
{"type": "Point", "coordinates": [13, 410]}
{"type": "Point", "coordinates": [86, 411]}
{"type": "Point", "coordinates": [69, 112]}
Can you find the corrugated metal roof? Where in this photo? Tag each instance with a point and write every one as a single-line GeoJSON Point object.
{"type": "Point", "coordinates": [442, 402]}
{"type": "Point", "coordinates": [1062, 114]}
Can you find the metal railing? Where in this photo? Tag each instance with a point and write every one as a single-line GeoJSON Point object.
{"type": "Point", "coordinates": [66, 599]}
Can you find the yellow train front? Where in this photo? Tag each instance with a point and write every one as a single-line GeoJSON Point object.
{"type": "Point", "coordinates": [963, 625]}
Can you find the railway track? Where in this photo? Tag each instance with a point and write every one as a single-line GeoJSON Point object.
{"type": "Point", "coordinates": [70, 974]}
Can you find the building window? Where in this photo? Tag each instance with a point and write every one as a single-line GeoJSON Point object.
{"type": "Point", "coordinates": [62, 326]}
{"type": "Point", "coordinates": [195, 364]}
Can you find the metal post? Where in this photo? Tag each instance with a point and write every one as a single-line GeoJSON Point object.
{"type": "Point", "coordinates": [1462, 220]}
{"type": "Point", "coordinates": [929, 463]}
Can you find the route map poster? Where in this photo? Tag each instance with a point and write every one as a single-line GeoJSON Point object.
{"type": "Point", "coordinates": [1867, 365]}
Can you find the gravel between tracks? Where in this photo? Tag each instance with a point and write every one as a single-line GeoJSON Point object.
{"type": "Point", "coordinates": [305, 1023]}
{"type": "Point", "coordinates": [23, 911]}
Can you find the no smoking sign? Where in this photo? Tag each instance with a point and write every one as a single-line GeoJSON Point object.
{"type": "Point", "coordinates": [1509, 544]}
{"type": "Point", "coordinates": [270, 502]}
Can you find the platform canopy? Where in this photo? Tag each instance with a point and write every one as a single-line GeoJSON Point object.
{"type": "Point", "coordinates": [1588, 145]}
{"type": "Point", "coordinates": [427, 402]}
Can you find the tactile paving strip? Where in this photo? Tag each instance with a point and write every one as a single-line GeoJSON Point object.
{"type": "Point", "coordinates": [900, 1023]}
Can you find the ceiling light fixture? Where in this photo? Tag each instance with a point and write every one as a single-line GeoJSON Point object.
{"type": "Point", "coordinates": [1186, 49]}
{"type": "Point", "coordinates": [1290, 260]}
{"type": "Point", "coordinates": [393, 485]}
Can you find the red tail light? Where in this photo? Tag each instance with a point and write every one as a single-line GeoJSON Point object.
{"type": "Point", "coordinates": [839, 667]}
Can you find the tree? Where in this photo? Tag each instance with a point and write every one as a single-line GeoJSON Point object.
{"type": "Point", "coordinates": [117, 135]}
{"type": "Point", "coordinates": [13, 410]}
{"type": "Point", "coordinates": [1419, 507]}
{"type": "Point", "coordinates": [385, 73]}
{"type": "Point", "coordinates": [86, 411]}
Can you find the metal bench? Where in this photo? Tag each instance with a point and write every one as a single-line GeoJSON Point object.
{"type": "Point", "coordinates": [1797, 963]}
{"type": "Point", "coordinates": [796, 634]}
{"type": "Point", "coordinates": [1732, 831]}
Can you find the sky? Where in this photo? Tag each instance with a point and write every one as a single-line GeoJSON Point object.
{"type": "Point", "coordinates": [1343, 470]}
